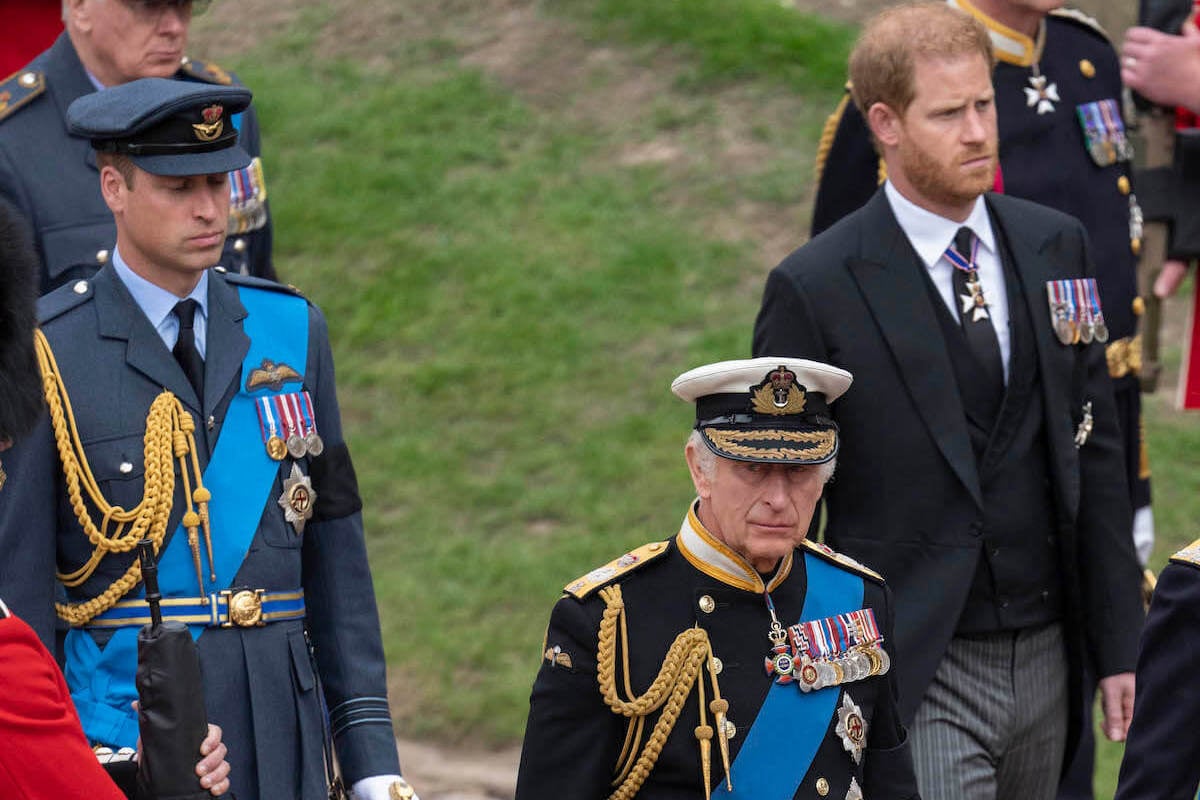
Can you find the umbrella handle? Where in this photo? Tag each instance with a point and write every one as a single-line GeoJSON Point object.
{"type": "Point", "coordinates": [150, 578]}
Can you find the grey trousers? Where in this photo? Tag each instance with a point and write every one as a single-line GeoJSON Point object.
{"type": "Point", "coordinates": [993, 724]}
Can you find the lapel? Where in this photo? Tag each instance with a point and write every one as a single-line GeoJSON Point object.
{"type": "Point", "coordinates": [227, 343]}
{"type": "Point", "coordinates": [119, 317]}
{"type": "Point", "coordinates": [70, 81]}
{"type": "Point", "coordinates": [1040, 255]}
{"type": "Point", "coordinates": [888, 274]}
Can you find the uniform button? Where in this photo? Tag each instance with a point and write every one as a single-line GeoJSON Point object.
{"type": "Point", "coordinates": [1045, 595]}
{"type": "Point", "coordinates": [822, 787]}
{"type": "Point", "coordinates": [730, 729]}
{"type": "Point", "coordinates": [101, 256]}
{"type": "Point", "coordinates": [221, 270]}
{"type": "Point", "coordinates": [995, 552]}
{"type": "Point", "coordinates": [976, 528]}
{"type": "Point", "coordinates": [80, 287]}
{"type": "Point", "coordinates": [1123, 185]}
{"type": "Point", "coordinates": [125, 468]}
{"type": "Point", "coordinates": [654, 548]}
{"type": "Point", "coordinates": [28, 79]}
{"type": "Point", "coordinates": [1087, 68]}
{"type": "Point", "coordinates": [239, 245]}
{"type": "Point", "coordinates": [707, 605]}
{"type": "Point", "coordinates": [717, 665]}
{"type": "Point", "coordinates": [212, 422]}
{"type": "Point", "coordinates": [1139, 306]}
{"type": "Point", "coordinates": [1135, 245]}
{"type": "Point", "coordinates": [1004, 602]}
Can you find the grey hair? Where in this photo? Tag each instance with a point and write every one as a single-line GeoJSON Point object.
{"type": "Point", "coordinates": [706, 459]}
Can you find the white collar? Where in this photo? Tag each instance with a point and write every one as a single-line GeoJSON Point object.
{"type": "Point", "coordinates": [929, 233]}
{"type": "Point", "coordinates": [715, 559]}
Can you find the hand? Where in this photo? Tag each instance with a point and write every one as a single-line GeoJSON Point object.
{"type": "Point", "coordinates": [1116, 699]}
{"type": "Point", "coordinates": [1163, 68]}
{"type": "Point", "coordinates": [1169, 277]}
{"type": "Point", "coordinates": [213, 769]}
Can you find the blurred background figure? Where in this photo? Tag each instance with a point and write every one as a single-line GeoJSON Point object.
{"type": "Point", "coordinates": [51, 176]}
{"type": "Point", "coordinates": [29, 27]}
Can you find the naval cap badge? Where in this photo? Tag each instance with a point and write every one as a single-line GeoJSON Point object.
{"type": "Point", "coordinates": [778, 394]}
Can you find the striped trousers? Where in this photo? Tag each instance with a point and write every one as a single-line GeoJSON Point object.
{"type": "Point", "coordinates": [993, 723]}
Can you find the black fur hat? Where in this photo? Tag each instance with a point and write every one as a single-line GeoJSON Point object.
{"type": "Point", "coordinates": [20, 383]}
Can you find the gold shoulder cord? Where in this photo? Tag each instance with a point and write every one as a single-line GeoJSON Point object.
{"type": "Point", "coordinates": [170, 434]}
{"type": "Point", "coordinates": [680, 671]}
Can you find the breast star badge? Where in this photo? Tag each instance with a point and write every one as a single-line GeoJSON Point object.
{"type": "Point", "coordinates": [852, 728]}
{"type": "Point", "coordinates": [298, 499]}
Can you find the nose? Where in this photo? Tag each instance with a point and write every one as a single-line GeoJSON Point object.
{"type": "Point", "coordinates": [975, 127]}
{"type": "Point", "coordinates": [775, 488]}
{"type": "Point", "coordinates": [209, 202]}
{"type": "Point", "coordinates": [173, 19]}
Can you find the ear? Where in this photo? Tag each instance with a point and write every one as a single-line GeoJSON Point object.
{"type": "Point", "coordinates": [77, 14]}
{"type": "Point", "coordinates": [701, 481]}
{"type": "Point", "coordinates": [113, 188]}
{"type": "Point", "coordinates": [885, 124]}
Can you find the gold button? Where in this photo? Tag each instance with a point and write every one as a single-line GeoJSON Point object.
{"type": "Point", "coordinates": [654, 548]}
{"type": "Point", "coordinates": [80, 287]}
{"type": "Point", "coordinates": [1087, 68]}
{"type": "Point", "coordinates": [717, 665]}
{"type": "Point", "coordinates": [1139, 306]}
{"type": "Point", "coordinates": [101, 256]}
{"type": "Point", "coordinates": [239, 245]}
{"type": "Point", "coordinates": [822, 787]}
{"type": "Point", "coordinates": [28, 79]}
{"type": "Point", "coordinates": [125, 468]}
{"type": "Point", "coordinates": [1135, 246]}
{"type": "Point", "coordinates": [220, 269]}
{"type": "Point", "coordinates": [707, 605]}
{"type": "Point", "coordinates": [1123, 185]}
{"type": "Point", "coordinates": [730, 729]}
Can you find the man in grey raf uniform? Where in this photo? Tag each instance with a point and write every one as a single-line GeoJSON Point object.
{"type": "Point", "coordinates": [736, 659]}
{"type": "Point", "coordinates": [50, 175]}
{"type": "Point", "coordinates": [197, 408]}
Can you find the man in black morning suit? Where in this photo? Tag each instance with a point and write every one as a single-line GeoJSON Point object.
{"type": "Point", "coordinates": [981, 469]}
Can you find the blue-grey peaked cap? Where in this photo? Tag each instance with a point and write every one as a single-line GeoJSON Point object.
{"type": "Point", "coordinates": [167, 127]}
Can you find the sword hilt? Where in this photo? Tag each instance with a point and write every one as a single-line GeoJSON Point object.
{"type": "Point", "coordinates": [150, 579]}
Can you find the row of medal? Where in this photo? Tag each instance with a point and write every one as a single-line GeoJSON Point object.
{"type": "Point", "coordinates": [828, 652]}
{"type": "Point", "coordinates": [288, 426]}
{"type": "Point", "coordinates": [1107, 142]}
{"type": "Point", "coordinates": [247, 198]}
{"type": "Point", "coordinates": [1075, 311]}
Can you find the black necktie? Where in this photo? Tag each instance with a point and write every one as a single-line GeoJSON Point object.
{"type": "Point", "coordinates": [185, 347]}
{"type": "Point", "coordinates": [973, 311]}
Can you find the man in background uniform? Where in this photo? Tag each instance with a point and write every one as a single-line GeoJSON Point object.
{"type": "Point", "coordinates": [1064, 144]}
{"type": "Point", "coordinates": [197, 408]}
{"type": "Point", "coordinates": [735, 660]}
{"type": "Point", "coordinates": [51, 175]}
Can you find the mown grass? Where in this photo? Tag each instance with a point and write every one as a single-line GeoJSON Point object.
{"type": "Point", "coordinates": [507, 317]}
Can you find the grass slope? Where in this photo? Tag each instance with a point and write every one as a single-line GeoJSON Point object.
{"type": "Point", "coordinates": [508, 307]}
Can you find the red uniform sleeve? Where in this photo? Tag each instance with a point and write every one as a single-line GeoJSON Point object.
{"type": "Point", "coordinates": [43, 753]}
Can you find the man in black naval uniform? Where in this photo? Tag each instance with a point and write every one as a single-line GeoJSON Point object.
{"type": "Point", "coordinates": [736, 659]}
{"type": "Point", "coordinates": [981, 452]}
{"type": "Point", "coordinates": [50, 175]}
{"type": "Point", "coordinates": [197, 408]}
{"type": "Point", "coordinates": [1162, 753]}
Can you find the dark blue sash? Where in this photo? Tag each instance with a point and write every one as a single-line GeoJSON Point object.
{"type": "Point", "coordinates": [791, 725]}
{"type": "Point", "coordinates": [240, 476]}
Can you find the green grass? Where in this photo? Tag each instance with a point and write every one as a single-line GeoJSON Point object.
{"type": "Point", "coordinates": [508, 307]}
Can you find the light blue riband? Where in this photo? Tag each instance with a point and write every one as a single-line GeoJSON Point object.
{"type": "Point", "coordinates": [239, 475]}
{"type": "Point", "coordinates": [790, 726]}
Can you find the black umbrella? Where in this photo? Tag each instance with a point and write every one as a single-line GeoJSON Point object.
{"type": "Point", "coordinates": [171, 714]}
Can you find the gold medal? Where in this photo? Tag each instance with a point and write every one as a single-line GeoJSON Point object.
{"type": "Point", "coordinates": [298, 499]}
{"type": "Point", "coordinates": [276, 449]}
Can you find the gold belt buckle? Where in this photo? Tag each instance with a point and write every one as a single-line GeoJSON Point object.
{"type": "Point", "coordinates": [244, 608]}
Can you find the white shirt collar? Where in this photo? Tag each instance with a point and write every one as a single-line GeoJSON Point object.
{"type": "Point", "coordinates": [931, 234]}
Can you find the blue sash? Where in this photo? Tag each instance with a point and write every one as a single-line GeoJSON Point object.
{"type": "Point", "coordinates": [791, 724]}
{"type": "Point", "coordinates": [240, 476]}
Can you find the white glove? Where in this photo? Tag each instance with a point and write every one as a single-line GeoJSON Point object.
{"type": "Point", "coordinates": [383, 787]}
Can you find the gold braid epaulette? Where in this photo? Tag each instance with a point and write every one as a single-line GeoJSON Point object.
{"type": "Point", "coordinates": [169, 436]}
{"type": "Point", "coordinates": [680, 672]}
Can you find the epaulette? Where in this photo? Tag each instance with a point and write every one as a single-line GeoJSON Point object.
{"type": "Point", "coordinates": [18, 89]}
{"type": "Point", "coordinates": [1189, 554]}
{"type": "Point", "coordinates": [1081, 19]}
{"type": "Point", "coordinates": [257, 283]}
{"type": "Point", "coordinates": [634, 559]}
{"type": "Point", "coordinates": [205, 71]}
{"type": "Point", "coordinates": [63, 299]}
{"type": "Point", "coordinates": [828, 132]}
{"type": "Point", "coordinates": [829, 554]}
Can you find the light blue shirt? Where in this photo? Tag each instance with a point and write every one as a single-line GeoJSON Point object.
{"type": "Point", "coordinates": [931, 234]}
{"type": "Point", "coordinates": [157, 304]}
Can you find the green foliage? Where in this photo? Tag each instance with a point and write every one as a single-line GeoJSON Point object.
{"type": "Point", "coordinates": [730, 39]}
